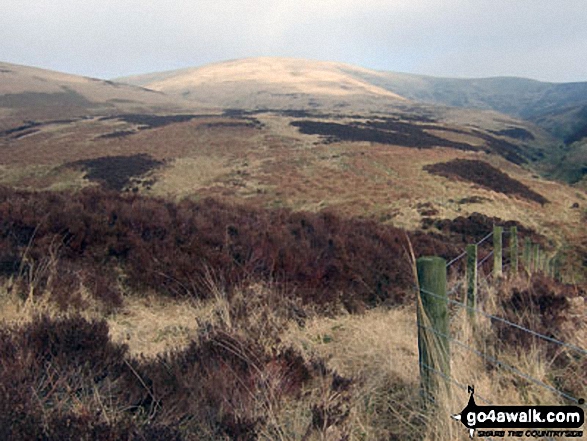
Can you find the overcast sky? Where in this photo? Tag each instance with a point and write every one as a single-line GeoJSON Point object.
{"type": "Point", "coordinates": [540, 39]}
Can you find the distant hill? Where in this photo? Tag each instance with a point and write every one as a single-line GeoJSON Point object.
{"type": "Point", "coordinates": [294, 134]}
{"type": "Point", "coordinates": [32, 93]}
{"type": "Point", "coordinates": [281, 83]}
{"type": "Point", "coordinates": [560, 109]}
{"type": "Point", "coordinates": [525, 121]}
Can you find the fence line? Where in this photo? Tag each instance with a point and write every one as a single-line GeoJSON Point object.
{"type": "Point", "coordinates": [484, 239]}
{"type": "Point", "coordinates": [438, 318]}
{"type": "Point", "coordinates": [459, 257]}
{"type": "Point", "coordinates": [464, 253]}
{"type": "Point", "coordinates": [507, 322]}
{"type": "Point", "coordinates": [496, 362]}
{"type": "Point", "coordinates": [459, 385]}
{"type": "Point", "coordinates": [466, 388]}
{"type": "Point", "coordinates": [455, 382]}
{"type": "Point", "coordinates": [485, 259]}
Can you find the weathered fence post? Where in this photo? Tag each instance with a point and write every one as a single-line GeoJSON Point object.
{"type": "Point", "coordinates": [536, 257]}
{"type": "Point", "coordinates": [433, 341]}
{"type": "Point", "coordinates": [550, 267]}
{"type": "Point", "coordinates": [528, 255]}
{"type": "Point", "coordinates": [471, 299]}
{"type": "Point", "coordinates": [557, 269]}
{"type": "Point", "coordinates": [514, 250]}
{"type": "Point", "coordinates": [497, 251]}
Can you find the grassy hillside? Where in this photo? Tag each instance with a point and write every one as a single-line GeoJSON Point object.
{"type": "Point", "coordinates": [181, 273]}
{"type": "Point", "coordinates": [546, 117]}
{"type": "Point", "coordinates": [28, 93]}
{"type": "Point", "coordinates": [135, 317]}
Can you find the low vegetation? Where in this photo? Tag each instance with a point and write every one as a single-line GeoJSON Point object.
{"type": "Point", "coordinates": [483, 174]}
{"type": "Point", "coordinates": [169, 248]}
{"type": "Point", "coordinates": [149, 121]}
{"type": "Point", "coordinates": [516, 133]}
{"type": "Point", "coordinates": [385, 131]}
{"type": "Point", "coordinates": [288, 326]}
{"type": "Point", "coordinates": [116, 172]}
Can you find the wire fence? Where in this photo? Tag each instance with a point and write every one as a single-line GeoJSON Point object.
{"type": "Point", "coordinates": [485, 259]}
{"type": "Point", "coordinates": [488, 358]}
{"type": "Point", "coordinates": [465, 388]}
{"type": "Point", "coordinates": [464, 253]}
{"type": "Point", "coordinates": [502, 364]}
{"type": "Point", "coordinates": [456, 383]}
{"type": "Point", "coordinates": [508, 322]}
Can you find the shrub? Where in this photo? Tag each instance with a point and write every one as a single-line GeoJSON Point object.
{"type": "Point", "coordinates": [63, 379]}
{"type": "Point", "coordinates": [485, 175]}
{"type": "Point", "coordinates": [168, 248]}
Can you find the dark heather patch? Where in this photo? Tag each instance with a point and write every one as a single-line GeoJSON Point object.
{"type": "Point", "coordinates": [516, 133]}
{"type": "Point", "coordinates": [118, 134]}
{"type": "Point", "coordinates": [472, 200]}
{"type": "Point", "coordinates": [383, 131]}
{"type": "Point", "coordinates": [483, 174]}
{"type": "Point", "coordinates": [509, 151]}
{"type": "Point", "coordinates": [252, 123]}
{"type": "Point", "coordinates": [476, 226]}
{"type": "Point", "coordinates": [17, 131]}
{"type": "Point", "coordinates": [116, 172]}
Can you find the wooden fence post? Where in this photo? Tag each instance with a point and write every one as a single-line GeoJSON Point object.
{"type": "Point", "coordinates": [528, 255]}
{"type": "Point", "coordinates": [471, 299]}
{"type": "Point", "coordinates": [497, 251]}
{"type": "Point", "coordinates": [557, 268]}
{"type": "Point", "coordinates": [514, 250]}
{"type": "Point", "coordinates": [550, 267]}
{"type": "Point", "coordinates": [536, 257]}
{"type": "Point", "coordinates": [433, 342]}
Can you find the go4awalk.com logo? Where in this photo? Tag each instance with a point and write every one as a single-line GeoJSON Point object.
{"type": "Point", "coordinates": [521, 421]}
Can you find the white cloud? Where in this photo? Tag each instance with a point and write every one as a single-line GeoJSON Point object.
{"type": "Point", "coordinates": [455, 37]}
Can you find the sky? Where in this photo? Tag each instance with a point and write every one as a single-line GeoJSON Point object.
{"type": "Point", "coordinates": [539, 39]}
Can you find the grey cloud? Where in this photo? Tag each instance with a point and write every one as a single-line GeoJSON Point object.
{"type": "Point", "coordinates": [534, 38]}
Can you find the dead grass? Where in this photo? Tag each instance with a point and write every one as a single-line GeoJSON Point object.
{"type": "Point", "coordinates": [377, 350]}
{"type": "Point", "coordinates": [152, 326]}
{"type": "Point", "coordinates": [186, 176]}
{"type": "Point", "coordinates": [46, 177]}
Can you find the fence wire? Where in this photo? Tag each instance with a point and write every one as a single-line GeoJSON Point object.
{"type": "Point", "coordinates": [464, 253]}
{"type": "Point", "coordinates": [466, 388]}
{"type": "Point", "coordinates": [456, 259]}
{"type": "Point", "coordinates": [509, 323]}
{"type": "Point", "coordinates": [485, 259]}
{"type": "Point", "coordinates": [456, 383]}
{"type": "Point", "coordinates": [484, 239]}
{"type": "Point", "coordinates": [499, 363]}
{"type": "Point", "coordinates": [483, 355]}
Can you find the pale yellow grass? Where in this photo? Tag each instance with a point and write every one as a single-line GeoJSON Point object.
{"type": "Point", "coordinates": [42, 177]}
{"type": "Point", "coordinates": [151, 325]}
{"type": "Point", "coordinates": [309, 77]}
{"type": "Point", "coordinates": [377, 349]}
{"type": "Point", "coordinates": [457, 137]}
{"type": "Point", "coordinates": [21, 308]}
{"type": "Point", "coordinates": [361, 345]}
{"type": "Point", "coordinates": [185, 176]}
